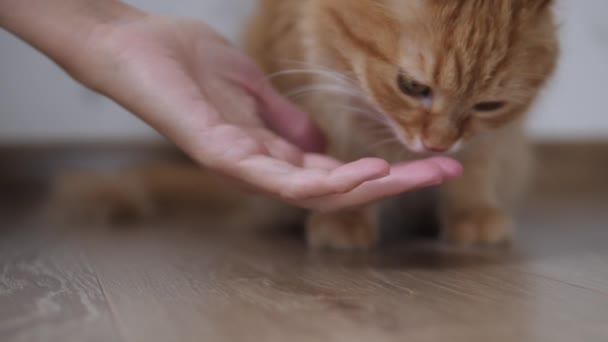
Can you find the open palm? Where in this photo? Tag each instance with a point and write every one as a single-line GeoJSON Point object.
{"type": "Point", "coordinates": [212, 101]}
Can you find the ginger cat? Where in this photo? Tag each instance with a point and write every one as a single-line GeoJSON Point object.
{"type": "Point", "coordinates": [397, 79]}
{"type": "Point", "coordinates": [438, 76]}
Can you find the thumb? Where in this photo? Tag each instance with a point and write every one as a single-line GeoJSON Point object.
{"type": "Point", "coordinates": [277, 112]}
{"type": "Point", "coordinates": [290, 122]}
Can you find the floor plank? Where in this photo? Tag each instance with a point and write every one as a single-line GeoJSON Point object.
{"type": "Point", "coordinates": [48, 292]}
{"type": "Point", "coordinates": [199, 281]}
{"type": "Point", "coordinates": [172, 281]}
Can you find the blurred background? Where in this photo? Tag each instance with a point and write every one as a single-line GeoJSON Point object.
{"type": "Point", "coordinates": [176, 280]}
{"type": "Point", "coordinates": [38, 103]}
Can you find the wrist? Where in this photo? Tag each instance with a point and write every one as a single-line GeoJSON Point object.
{"type": "Point", "coordinates": [64, 29]}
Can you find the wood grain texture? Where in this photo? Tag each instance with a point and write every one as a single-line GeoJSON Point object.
{"type": "Point", "coordinates": [269, 288]}
{"type": "Point", "coordinates": [48, 292]}
{"type": "Point", "coordinates": [197, 281]}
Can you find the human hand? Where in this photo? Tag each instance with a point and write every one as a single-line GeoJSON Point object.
{"type": "Point", "coordinates": [210, 99]}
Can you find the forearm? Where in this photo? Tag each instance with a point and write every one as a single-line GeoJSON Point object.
{"type": "Point", "coordinates": [64, 29]}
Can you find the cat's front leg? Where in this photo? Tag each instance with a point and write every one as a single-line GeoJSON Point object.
{"type": "Point", "coordinates": [471, 212]}
{"type": "Point", "coordinates": [355, 229]}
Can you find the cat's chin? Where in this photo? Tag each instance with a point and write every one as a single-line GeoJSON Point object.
{"type": "Point", "coordinates": [418, 147]}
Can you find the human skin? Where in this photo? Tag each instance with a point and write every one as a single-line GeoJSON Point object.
{"type": "Point", "coordinates": [210, 99]}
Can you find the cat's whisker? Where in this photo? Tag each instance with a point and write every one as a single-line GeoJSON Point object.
{"type": "Point", "coordinates": [371, 114]}
{"type": "Point", "coordinates": [314, 67]}
{"type": "Point", "coordinates": [383, 136]}
{"type": "Point", "coordinates": [373, 126]}
{"type": "Point", "coordinates": [368, 119]}
{"type": "Point", "coordinates": [383, 143]}
{"type": "Point", "coordinates": [380, 131]}
{"type": "Point", "coordinates": [323, 73]}
{"type": "Point", "coordinates": [329, 88]}
{"type": "Point", "coordinates": [359, 110]}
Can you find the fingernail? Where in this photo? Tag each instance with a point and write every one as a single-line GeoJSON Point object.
{"type": "Point", "coordinates": [451, 167]}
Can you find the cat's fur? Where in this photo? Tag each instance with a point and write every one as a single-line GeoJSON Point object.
{"type": "Point", "coordinates": [468, 52]}
{"type": "Point", "coordinates": [340, 60]}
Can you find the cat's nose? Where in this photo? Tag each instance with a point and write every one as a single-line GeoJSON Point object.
{"type": "Point", "coordinates": [434, 148]}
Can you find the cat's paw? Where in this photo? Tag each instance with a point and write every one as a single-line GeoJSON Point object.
{"type": "Point", "coordinates": [486, 226]}
{"type": "Point", "coordinates": [353, 230]}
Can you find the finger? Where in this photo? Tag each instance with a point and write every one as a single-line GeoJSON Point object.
{"type": "Point", "coordinates": [285, 118]}
{"type": "Point", "coordinates": [321, 161]}
{"type": "Point", "coordinates": [292, 122]}
{"type": "Point", "coordinates": [279, 148]}
{"type": "Point", "coordinates": [403, 178]}
{"type": "Point", "coordinates": [347, 177]}
{"type": "Point", "coordinates": [293, 183]}
{"type": "Point", "coordinates": [451, 167]}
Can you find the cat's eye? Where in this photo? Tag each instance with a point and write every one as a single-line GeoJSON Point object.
{"type": "Point", "coordinates": [489, 106]}
{"type": "Point", "coordinates": [413, 88]}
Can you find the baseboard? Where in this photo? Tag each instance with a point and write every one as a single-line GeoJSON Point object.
{"type": "Point", "coordinates": [574, 167]}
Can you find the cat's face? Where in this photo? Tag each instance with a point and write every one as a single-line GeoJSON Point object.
{"type": "Point", "coordinates": [442, 71]}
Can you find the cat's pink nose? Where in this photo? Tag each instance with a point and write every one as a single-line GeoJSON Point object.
{"type": "Point", "coordinates": [433, 148]}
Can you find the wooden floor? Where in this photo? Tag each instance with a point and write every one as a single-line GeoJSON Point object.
{"type": "Point", "coordinates": [196, 282]}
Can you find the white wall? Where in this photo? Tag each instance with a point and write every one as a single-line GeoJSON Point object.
{"type": "Point", "coordinates": [574, 107]}
{"type": "Point", "coordinates": [38, 102]}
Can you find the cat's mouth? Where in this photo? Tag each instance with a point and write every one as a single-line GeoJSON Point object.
{"type": "Point", "coordinates": [417, 145]}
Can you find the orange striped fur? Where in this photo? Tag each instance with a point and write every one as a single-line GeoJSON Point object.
{"type": "Point", "coordinates": [468, 52]}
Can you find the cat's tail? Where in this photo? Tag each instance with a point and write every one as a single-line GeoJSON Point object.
{"type": "Point", "coordinates": [158, 191]}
